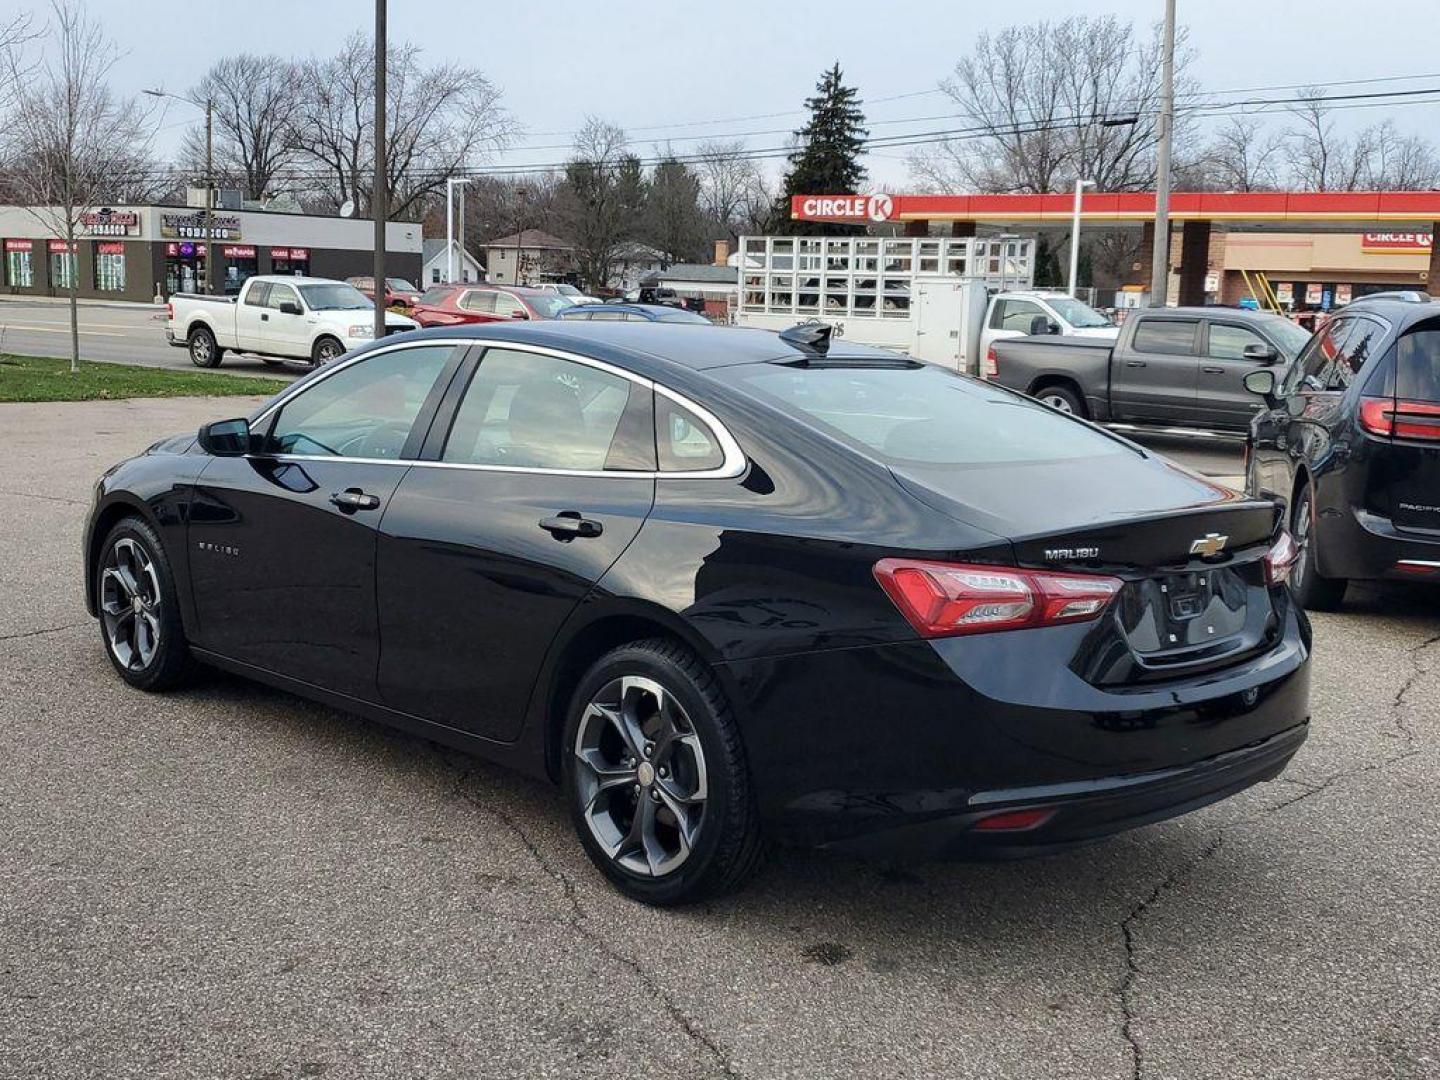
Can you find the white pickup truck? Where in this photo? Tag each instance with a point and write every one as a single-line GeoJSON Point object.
{"type": "Point", "coordinates": [277, 318]}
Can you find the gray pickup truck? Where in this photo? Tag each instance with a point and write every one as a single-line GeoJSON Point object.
{"type": "Point", "coordinates": [1174, 366]}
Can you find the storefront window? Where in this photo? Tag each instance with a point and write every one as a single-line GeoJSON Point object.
{"type": "Point", "coordinates": [241, 263]}
{"type": "Point", "coordinates": [290, 261]}
{"type": "Point", "coordinates": [184, 267]}
{"type": "Point", "coordinates": [20, 264]}
{"type": "Point", "coordinates": [62, 265]}
{"type": "Point", "coordinates": [109, 267]}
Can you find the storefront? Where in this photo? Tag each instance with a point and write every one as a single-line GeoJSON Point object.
{"type": "Point", "coordinates": [141, 253]}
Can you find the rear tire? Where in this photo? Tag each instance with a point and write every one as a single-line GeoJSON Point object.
{"type": "Point", "coordinates": [1315, 593]}
{"type": "Point", "coordinates": [1062, 399]}
{"type": "Point", "coordinates": [655, 776]}
{"type": "Point", "coordinates": [204, 351]}
{"type": "Point", "coordinates": [140, 608]}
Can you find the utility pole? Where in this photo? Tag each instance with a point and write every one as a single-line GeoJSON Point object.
{"type": "Point", "coordinates": [380, 198]}
{"type": "Point", "coordinates": [449, 225]}
{"type": "Point", "coordinates": [1160, 253]}
{"type": "Point", "coordinates": [1080, 186]}
{"type": "Point", "coordinates": [209, 197]}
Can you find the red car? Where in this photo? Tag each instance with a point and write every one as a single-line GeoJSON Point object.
{"type": "Point", "coordinates": [450, 305]}
{"type": "Point", "coordinates": [398, 291]}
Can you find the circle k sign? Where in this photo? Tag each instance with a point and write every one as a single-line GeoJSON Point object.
{"type": "Point", "coordinates": [844, 207]}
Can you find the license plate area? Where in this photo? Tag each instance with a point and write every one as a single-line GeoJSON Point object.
{"type": "Point", "coordinates": [1175, 615]}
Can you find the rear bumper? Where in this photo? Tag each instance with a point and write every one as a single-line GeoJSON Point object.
{"type": "Point", "coordinates": [1358, 544]}
{"type": "Point", "coordinates": [1081, 810]}
{"type": "Point", "coordinates": [903, 749]}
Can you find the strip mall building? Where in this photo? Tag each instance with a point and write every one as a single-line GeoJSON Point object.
{"type": "Point", "coordinates": [1317, 249]}
{"type": "Point", "coordinates": [140, 252]}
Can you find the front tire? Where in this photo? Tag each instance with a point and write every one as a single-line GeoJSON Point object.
{"type": "Point", "coordinates": [1315, 593]}
{"type": "Point", "coordinates": [1062, 399]}
{"type": "Point", "coordinates": [140, 608]}
{"type": "Point", "coordinates": [324, 350]}
{"type": "Point", "coordinates": [204, 351]}
{"type": "Point", "coordinates": [655, 776]}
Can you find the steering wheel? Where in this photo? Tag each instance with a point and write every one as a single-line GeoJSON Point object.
{"type": "Point", "coordinates": [385, 441]}
{"type": "Point", "coordinates": [298, 437]}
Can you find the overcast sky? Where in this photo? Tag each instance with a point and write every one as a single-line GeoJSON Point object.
{"type": "Point", "coordinates": [657, 69]}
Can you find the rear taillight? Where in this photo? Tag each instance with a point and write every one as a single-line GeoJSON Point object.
{"type": "Point", "coordinates": [1014, 820]}
{"type": "Point", "coordinates": [943, 599]}
{"type": "Point", "coordinates": [1401, 419]}
{"type": "Point", "coordinates": [169, 311]}
{"type": "Point", "coordinates": [992, 364]}
{"type": "Point", "coordinates": [1280, 559]}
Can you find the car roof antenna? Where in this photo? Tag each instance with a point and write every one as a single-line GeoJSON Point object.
{"type": "Point", "coordinates": [813, 337]}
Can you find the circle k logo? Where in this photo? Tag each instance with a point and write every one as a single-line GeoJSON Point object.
{"type": "Point", "coordinates": [879, 207]}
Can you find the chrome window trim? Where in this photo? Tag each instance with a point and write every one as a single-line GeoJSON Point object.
{"type": "Point", "coordinates": [731, 467]}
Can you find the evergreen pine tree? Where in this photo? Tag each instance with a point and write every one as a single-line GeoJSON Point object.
{"type": "Point", "coordinates": [827, 161]}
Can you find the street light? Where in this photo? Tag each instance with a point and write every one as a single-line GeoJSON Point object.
{"type": "Point", "coordinates": [209, 107]}
{"type": "Point", "coordinates": [1080, 186]}
{"type": "Point", "coordinates": [449, 218]}
{"type": "Point", "coordinates": [1160, 251]}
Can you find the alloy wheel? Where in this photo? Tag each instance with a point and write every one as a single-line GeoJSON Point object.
{"type": "Point", "coordinates": [130, 604]}
{"type": "Point", "coordinates": [1056, 402]}
{"type": "Point", "coordinates": [325, 352]}
{"type": "Point", "coordinates": [200, 350]}
{"type": "Point", "coordinates": [1300, 530]}
{"type": "Point", "coordinates": [640, 776]}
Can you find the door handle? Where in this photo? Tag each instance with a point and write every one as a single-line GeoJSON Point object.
{"type": "Point", "coordinates": [568, 524]}
{"type": "Point", "coordinates": [264, 317]}
{"type": "Point", "coordinates": [352, 499]}
{"type": "Point", "coordinates": [1213, 370]}
{"type": "Point", "coordinates": [1134, 363]}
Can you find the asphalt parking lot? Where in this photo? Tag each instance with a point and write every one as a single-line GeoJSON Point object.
{"type": "Point", "coordinates": [232, 882]}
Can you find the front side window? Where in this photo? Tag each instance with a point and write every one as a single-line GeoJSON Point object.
{"type": "Point", "coordinates": [533, 411]}
{"type": "Point", "coordinates": [1359, 347]}
{"type": "Point", "coordinates": [281, 294]}
{"type": "Point", "coordinates": [1174, 337]}
{"type": "Point", "coordinates": [364, 410]}
{"type": "Point", "coordinates": [336, 296]}
{"type": "Point", "coordinates": [1229, 342]}
{"type": "Point", "coordinates": [507, 307]}
{"type": "Point", "coordinates": [1015, 315]}
{"type": "Point", "coordinates": [1311, 371]}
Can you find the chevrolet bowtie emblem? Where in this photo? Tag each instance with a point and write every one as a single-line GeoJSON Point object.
{"type": "Point", "coordinates": [1208, 545]}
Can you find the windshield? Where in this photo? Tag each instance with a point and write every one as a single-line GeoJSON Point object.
{"type": "Point", "coordinates": [548, 304]}
{"type": "Point", "coordinates": [568, 290]}
{"type": "Point", "coordinates": [1289, 338]}
{"type": "Point", "coordinates": [399, 284]}
{"type": "Point", "coordinates": [926, 415]}
{"type": "Point", "coordinates": [334, 297]}
{"type": "Point", "coordinates": [1077, 313]}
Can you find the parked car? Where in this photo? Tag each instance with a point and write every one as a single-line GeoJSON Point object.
{"type": "Point", "coordinates": [278, 318]}
{"type": "Point", "coordinates": [656, 294]}
{"type": "Point", "coordinates": [569, 292]}
{"type": "Point", "coordinates": [454, 305]}
{"type": "Point", "coordinates": [723, 586]}
{"type": "Point", "coordinates": [1349, 442]}
{"type": "Point", "coordinates": [609, 312]}
{"type": "Point", "coordinates": [1018, 313]}
{"type": "Point", "coordinates": [398, 291]}
{"type": "Point", "coordinates": [1170, 366]}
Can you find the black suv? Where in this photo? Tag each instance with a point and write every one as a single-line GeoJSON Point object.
{"type": "Point", "coordinates": [1349, 441]}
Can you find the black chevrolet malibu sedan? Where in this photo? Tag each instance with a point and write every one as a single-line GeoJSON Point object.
{"type": "Point", "coordinates": [724, 585]}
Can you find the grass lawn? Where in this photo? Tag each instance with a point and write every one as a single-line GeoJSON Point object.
{"type": "Point", "coordinates": [43, 378]}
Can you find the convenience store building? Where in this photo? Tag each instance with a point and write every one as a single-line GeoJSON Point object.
{"type": "Point", "coordinates": [137, 253]}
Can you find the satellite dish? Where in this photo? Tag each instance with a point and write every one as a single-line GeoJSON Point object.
{"type": "Point", "coordinates": [347, 208]}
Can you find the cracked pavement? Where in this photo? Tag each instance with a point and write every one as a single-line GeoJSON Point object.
{"type": "Point", "coordinates": [232, 882]}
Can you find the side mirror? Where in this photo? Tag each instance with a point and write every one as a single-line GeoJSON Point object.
{"type": "Point", "coordinates": [226, 438]}
{"type": "Point", "coordinates": [1261, 382]}
{"type": "Point", "coordinates": [519, 315]}
{"type": "Point", "coordinates": [289, 307]}
{"type": "Point", "coordinates": [1260, 354]}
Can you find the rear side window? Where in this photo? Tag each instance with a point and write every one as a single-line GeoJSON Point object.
{"type": "Point", "coordinates": [258, 295]}
{"type": "Point", "coordinates": [1172, 336]}
{"type": "Point", "coordinates": [533, 411]}
{"type": "Point", "coordinates": [683, 441]}
{"type": "Point", "coordinates": [1417, 366]}
{"type": "Point", "coordinates": [478, 300]}
{"type": "Point", "coordinates": [925, 415]}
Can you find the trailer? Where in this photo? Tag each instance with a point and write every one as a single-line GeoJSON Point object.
{"type": "Point", "coordinates": [925, 296]}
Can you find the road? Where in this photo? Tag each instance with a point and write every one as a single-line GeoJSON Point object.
{"type": "Point", "coordinates": [109, 333]}
{"type": "Point", "coordinates": [232, 882]}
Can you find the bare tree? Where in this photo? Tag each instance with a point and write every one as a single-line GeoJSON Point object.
{"type": "Point", "coordinates": [732, 188]}
{"type": "Point", "coordinates": [1398, 162]}
{"type": "Point", "coordinates": [256, 103]}
{"type": "Point", "coordinates": [600, 199]}
{"type": "Point", "coordinates": [67, 130]}
{"type": "Point", "coordinates": [1319, 156]}
{"type": "Point", "coordinates": [1242, 155]}
{"type": "Point", "coordinates": [1046, 103]}
{"type": "Point", "coordinates": [442, 121]}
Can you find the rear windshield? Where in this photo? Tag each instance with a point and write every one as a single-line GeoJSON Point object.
{"type": "Point", "coordinates": [925, 414]}
{"type": "Point", "coordinates": [1417, 366]}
